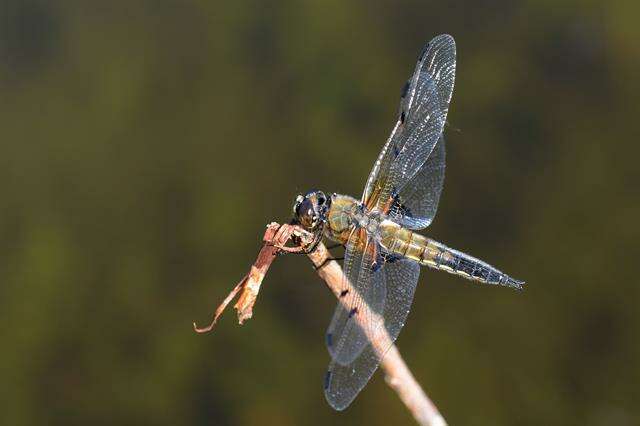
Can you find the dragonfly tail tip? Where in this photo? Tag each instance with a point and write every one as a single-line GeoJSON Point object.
{"type": "Point", "coordinates": [518, 285]}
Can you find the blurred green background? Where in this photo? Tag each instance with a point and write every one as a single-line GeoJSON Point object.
{"type": "Point", "coordinates": [144, 146]}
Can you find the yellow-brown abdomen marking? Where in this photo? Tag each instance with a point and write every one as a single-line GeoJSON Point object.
{"type": "Point", "coordinates": [402, 241]}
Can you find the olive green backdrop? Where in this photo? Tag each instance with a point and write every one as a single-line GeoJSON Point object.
{"type": "Point", "coordinates": [144, 146]}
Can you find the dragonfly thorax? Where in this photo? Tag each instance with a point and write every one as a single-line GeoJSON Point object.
{"type": "Point", "coordinates": [368, 220]}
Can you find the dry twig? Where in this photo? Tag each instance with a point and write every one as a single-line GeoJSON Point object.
{"type": "Point", "coordinates": [397, 374]}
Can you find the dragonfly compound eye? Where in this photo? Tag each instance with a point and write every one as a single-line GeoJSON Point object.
{"type": "Point", "coordinates": [304, 212]}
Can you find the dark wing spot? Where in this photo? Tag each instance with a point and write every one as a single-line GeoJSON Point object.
{"type": "Point", "coordinates": [402, 117]}
{"type": "Point", "coordinates": [405, 89]}
{"type": "Point", "coordinates": [390, 258]}
{"type": "Point", "coordinates": [396, 151]}
{"type": "Point", "coordinates": [394, 193]}
{"type": "Point", "coordinates": [327, 380]}
{"type": "Point", "coordinates": [343, 293]}
{"type": "Point", "coordinates": [353, 312]}
{"type": "Point", "coordinates": [397, 206]}
{"type": "Point", "coordinates": [329, 339]}
{"type": "Point", "coordinates": [377, 265]}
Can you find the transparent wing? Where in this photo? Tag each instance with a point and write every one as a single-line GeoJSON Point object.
{"type": "Point", "coordinates": [416, 205]}
{"type": "Point", "coordinates": [423, 111]}
{"type": "Point", "coordinates": [344, 382]}
{"type": "Point", "coordinates": [345, 339]}
{"type": "Point", "coordinates": [405, 182]}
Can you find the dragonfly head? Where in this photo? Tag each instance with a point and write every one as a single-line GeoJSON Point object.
{"type": "Point", "coordinates": [310, 210]}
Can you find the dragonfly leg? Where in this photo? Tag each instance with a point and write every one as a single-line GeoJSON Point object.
{"type": "Point", "coordinates": [302, 247]}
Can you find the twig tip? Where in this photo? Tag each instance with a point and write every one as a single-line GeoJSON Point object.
{"type": "Point", "coordinates": [206, 329]}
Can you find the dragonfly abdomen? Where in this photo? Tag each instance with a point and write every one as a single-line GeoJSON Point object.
{"type": "Point", "coordinates": [428, 252]}
{"type": "Point", "coordinates": [439, 256]}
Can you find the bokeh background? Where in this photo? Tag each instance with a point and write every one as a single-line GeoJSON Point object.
{"type": "Point", "coordinates": [144, 146]}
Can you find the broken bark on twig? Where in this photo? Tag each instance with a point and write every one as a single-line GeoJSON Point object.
{"type": "Point", "coordinates": [397, 374]}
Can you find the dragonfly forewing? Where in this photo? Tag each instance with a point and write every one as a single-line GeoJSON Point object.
{"type": "Point", "coordinates": [423, 110]}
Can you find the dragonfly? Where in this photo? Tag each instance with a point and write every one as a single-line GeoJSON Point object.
{"type": "Point", "coordinates": [383, 251]}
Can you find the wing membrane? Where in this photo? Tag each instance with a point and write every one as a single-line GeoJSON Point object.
{"type": "Point", "coordinates": [416, 205]}
{"type": "Point", "coordinates": [345, 338]}
{"type": "Point", "coordinates": [343, 382]}
{"type": "Point", "coordinates": [423, 111]}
